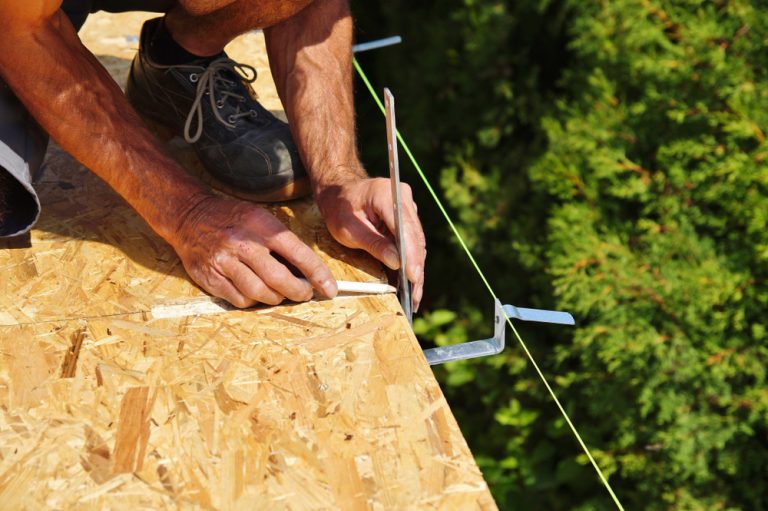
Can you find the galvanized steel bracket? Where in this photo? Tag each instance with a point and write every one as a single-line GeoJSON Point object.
{"type": "Point", "coordinates": [495, 345]}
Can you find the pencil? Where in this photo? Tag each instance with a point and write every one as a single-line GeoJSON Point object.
{"type": "Point", "coordinates": [371, 288]}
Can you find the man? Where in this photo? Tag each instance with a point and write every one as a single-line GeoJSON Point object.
{"type": "Point", "coordinates": [182, 79]}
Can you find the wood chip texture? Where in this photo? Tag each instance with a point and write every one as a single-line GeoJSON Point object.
{"type": "Point", "coordinates": [123, 386]}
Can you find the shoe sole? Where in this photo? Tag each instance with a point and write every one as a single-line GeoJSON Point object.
{"type": "Point", "coordinates": [293, 190]}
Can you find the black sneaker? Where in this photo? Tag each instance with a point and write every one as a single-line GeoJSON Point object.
{"type": "Point", "coordinates": [245, 150]}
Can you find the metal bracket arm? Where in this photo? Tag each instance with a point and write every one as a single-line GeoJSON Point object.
{"type": "Point", "coordinates": [495, 345]}
{"type": "Point", "coordinates": [473, 349]}
{"type": "Point", "coordinates": [375, 45]}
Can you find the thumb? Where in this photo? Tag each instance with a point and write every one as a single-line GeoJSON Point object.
{"type": "Point", "coordinates": [363, 235]}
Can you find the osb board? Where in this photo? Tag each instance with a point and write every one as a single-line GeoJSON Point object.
{"type": "Point", "coordinates": [115, 394]}
{"type": "Point", "coordinates": [326, 405]}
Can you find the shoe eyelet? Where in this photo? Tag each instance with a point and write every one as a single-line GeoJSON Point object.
{"type": "Point", "coordinates": [231, 119]}
{"type": "Point", "coordinates": [193, 77]}
{"type": "Point", "coordinates": [219, 105]}
{"type": "Point", "coordinates": [254, 113]}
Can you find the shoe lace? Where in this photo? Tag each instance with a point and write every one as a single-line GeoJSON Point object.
{"type": "Point", "coordinates": [217, 80]}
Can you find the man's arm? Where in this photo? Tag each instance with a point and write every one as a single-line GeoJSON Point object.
{"type": "Point", "coordinates": [224, 244]}
{"type": "Point", "coordinates": [311, 59]}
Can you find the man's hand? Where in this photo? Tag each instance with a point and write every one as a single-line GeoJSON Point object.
{"type": "Point", "coordinates": [310, 55]}
{"type": "Point", "coordinates": [228, 247]}
{"type": "Point", "coordinates": [359, 214]}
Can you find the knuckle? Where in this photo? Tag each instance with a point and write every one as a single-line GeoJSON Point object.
{"type": "Point", "coordinates": [303, 255]}
{"type": "Point", "coordinates": [254, 289]}
{"type": "Point", "coordinates": [345, 236]}
{"type": "Point", "coordinates": [301, 294]}
{"type": "Point", "coordinates": [218, 287]}
{"type": "Point", "coordinates": [271, 298]}
{"type": "Point", "coordinates": [283, 238]}
{"type": "Point", "coordinates": [219, 258]}
{"type": "Point", "coordinates": [417, 244]}
{"type": "Point", "coordinates": [261, 293]}
{"type": "Point", "coordinates": [319, 272]}
{"type": "Point", "coordinates": [378, 245]}
{"type": "Point", "coordinates": [421, 240]}
{"type": "Point", "coordinates": [240, 302]}
{"type": "Point", "coordinates": [288, 287]}
{"type": "Point", "coordinates": [319, 276]}
{"type": "Point", "coordinates": [207, 279]}
{"type": "Point", "coordinates": [243, 248]}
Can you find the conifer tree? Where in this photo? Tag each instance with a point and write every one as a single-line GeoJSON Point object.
{"type": "Point", "coordinates": [657, 241]}
{"type": "Point", "coordinates": [607, 158]}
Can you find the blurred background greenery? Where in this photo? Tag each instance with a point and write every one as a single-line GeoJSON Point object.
{"type": "Point", "coordinates": [606, 158]}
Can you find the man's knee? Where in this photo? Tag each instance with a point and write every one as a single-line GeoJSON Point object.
{"type": "Point", "coordinates": [272, 10]}
{"type": "Point", "coordinates": [201, 7]}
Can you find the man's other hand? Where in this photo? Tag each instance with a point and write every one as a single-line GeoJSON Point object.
{"type": "Point", "coordinates": [359, 214]}
{"type": "Point", "coordinates": [232, 250]}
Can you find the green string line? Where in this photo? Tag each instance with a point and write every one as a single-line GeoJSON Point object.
{"type": "Point", "coordinates": [490, 289]}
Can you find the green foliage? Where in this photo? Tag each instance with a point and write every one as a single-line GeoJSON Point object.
{"type": "Point", "coordinates": [608, 159]}
{"type": "Point", "coordinates": [656, 238]}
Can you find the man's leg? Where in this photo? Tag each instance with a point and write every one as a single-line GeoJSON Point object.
{"type": "Point", "coordinates": [22, 149]}
{"type": "Point", "coordinates": [207, 33]}
{"type": "Point", "coordinates": [131, 5]}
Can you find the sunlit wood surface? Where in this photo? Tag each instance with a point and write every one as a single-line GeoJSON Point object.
{"type": "Point", "coordinates": [123, 386]}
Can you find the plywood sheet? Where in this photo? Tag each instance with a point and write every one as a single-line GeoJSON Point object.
{"type": "Point", "coordinates": [123, 386]}
{"type": "Point", "coordinates": [326, 405]}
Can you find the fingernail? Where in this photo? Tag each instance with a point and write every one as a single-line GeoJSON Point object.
{"type": "Point", "coordinates": [329, 288]}
{"type": "Point", "coordinates": [391, 258]}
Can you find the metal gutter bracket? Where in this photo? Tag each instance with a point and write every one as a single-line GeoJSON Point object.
{"type": "Point", "coordinates": [495, 345]}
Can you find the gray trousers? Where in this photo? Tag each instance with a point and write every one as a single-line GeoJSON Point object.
{"type": "Point", "coordinates": [23, 142]}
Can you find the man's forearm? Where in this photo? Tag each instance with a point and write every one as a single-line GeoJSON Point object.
{"type": "Point", "coordinates": [311, 59]}
{"type": "Point", "coordinates": [86, 113]}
